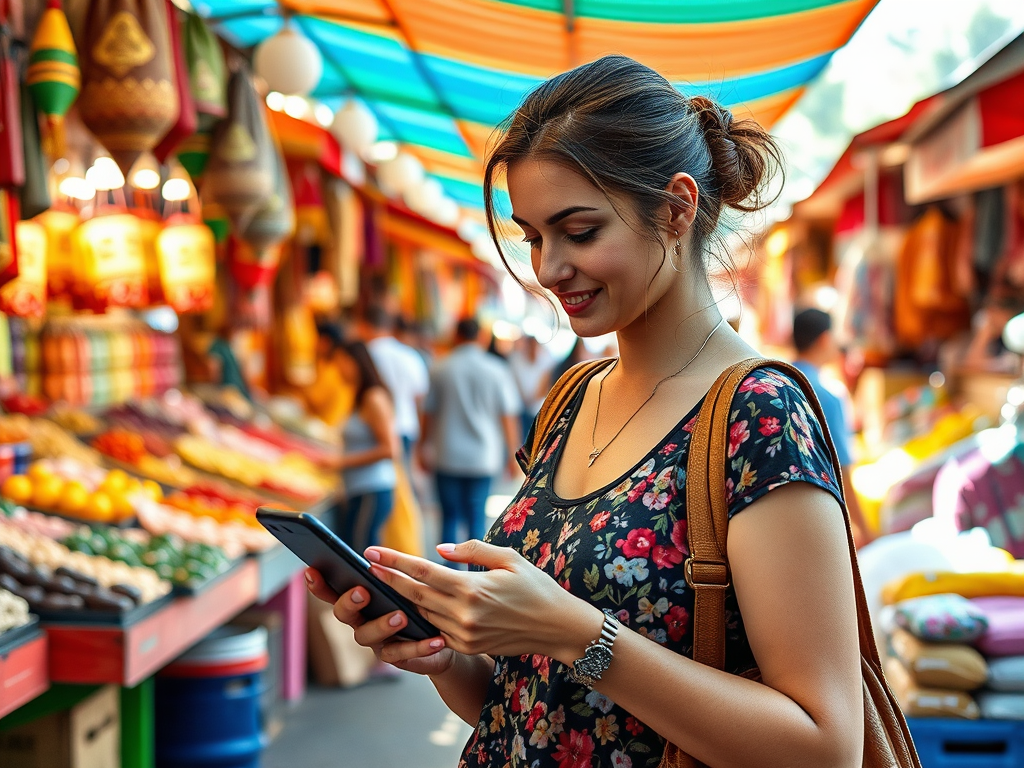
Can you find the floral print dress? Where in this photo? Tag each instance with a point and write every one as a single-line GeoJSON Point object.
{"type": "Point", "coordinates": [622, 548]}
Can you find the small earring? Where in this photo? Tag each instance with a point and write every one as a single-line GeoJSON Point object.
{"type": "Point", "coordinates": [678, 250]}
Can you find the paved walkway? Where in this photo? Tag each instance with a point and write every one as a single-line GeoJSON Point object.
{"type": "Point", "coordinates": [399, 723]}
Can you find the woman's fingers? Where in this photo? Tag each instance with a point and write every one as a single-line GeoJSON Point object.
{"type": "Point", "coordinates": [318, 587]}
{"type": "Point", "coordinates": [397, 653]}
{"type": "Point", "coordinates": [378, 631]}
{"type": "Point", "coordinates": [438, 577]}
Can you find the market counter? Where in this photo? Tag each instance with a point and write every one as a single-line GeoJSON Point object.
{"type": "Point", "coordinates": [23, 673]}
{"type": "Point", "coordinates": [97, 653]}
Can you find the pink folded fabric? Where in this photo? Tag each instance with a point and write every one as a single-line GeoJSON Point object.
{"type": "Point", "coordinates": [1005, 635]}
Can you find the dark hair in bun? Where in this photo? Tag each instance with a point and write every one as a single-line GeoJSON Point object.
{"type": "Point", "coordinates": [628, 130]}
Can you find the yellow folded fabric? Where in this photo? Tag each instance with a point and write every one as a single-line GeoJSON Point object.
{"type": "Point", "coordinates": [979, 584]}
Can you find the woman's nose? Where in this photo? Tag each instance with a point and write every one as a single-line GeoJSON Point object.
{"type": "Point", "coordinates": [551, 267]}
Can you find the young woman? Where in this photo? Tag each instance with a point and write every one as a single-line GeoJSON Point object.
{"type": "Point", "coordinates": [371, 447]}
{"type": "Point", "coordinates": [618, 182]}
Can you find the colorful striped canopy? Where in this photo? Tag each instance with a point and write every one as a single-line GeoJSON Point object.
{"type": "Point", "coordinates": [441, 74]}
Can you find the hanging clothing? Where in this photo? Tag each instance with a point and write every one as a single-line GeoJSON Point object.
{"type": "Point", "coordinates": [927, 303]}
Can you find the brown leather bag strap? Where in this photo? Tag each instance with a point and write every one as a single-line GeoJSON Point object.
{"type": "Point", "coordinates": [558, 399]}
{"type": "Point", "coordinates": [707, 516]}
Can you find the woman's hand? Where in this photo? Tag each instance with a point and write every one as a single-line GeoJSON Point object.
{"type": "Point", "coordinates": [511, 609]}
{"type": "Point", "coordinates": [424, 657]}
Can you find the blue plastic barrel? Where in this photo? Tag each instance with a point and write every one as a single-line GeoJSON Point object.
{"type": "Point", "coordinates": [207, 710]}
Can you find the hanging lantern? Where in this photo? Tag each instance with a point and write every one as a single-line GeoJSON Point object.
{"type": "Point", "coordinates": [53, 75]}
{"type": "Point", "coordinates": [289, 62]}
{"type": "Point", "coordinates": [60, 224]}
{"type": "Point", "coordinates": [129, 100]}
{"type": "Point", "coordinates": [194, 153]}
{"type": "Point", "coordinates": [425, 197]}
{"type": "Point", "coordinates": [275, 219]}
{"type": "Point", "coordinates": [206, 71]}
{"type": "Point", "coordinates": [398, 176]}
{"type": "Point", "coordinates": [355, 127]}
{"type": "Point", "coordinates": [25, 295]}
{"type": "Point", "coordinates": [242, 154]}
{"type": "Point", "coordinates": [188, 265]}
{"type": "Point", "coordinates": [446, 213]}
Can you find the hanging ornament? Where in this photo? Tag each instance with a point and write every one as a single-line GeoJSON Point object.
{"type": "Point", "coordinates": [242, 154]}
{"type": "Point", "coordinates": [188, 119]}
{"type": "Point", "coordinates": [35, 192]}
{"type": "Point", "coordinates": [53, 74]}
{"type": "Point", "coordinates": [275, 219]}
{"type": "Point", "coordinates": [289, 62]}
{"type": "Point", "coordinates": [206, 71]}
{"type": "Point", "coordinates": [129, 100]}
{"type": "Point", "coordinates": [355, 127]}
{"type": "Point", "coordinates": [425, 197]}
{"type": "Point", "coordinates": [60, 223]}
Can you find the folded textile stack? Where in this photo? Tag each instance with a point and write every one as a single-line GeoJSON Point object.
{"type": "Point", "coordinates": [1003, 646]}
{"type": "Point", "coordinates": [932, 667]}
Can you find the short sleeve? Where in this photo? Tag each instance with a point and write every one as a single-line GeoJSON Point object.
{"type": "Point", "coordinates": [774, 438]}
{"type": "Point", "coordinates": [430, 399]}
{"type": "Point", "coordinates": [511, 401]}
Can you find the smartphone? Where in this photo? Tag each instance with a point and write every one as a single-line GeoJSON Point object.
{"type": "Point", "coordinates": [342, 567]}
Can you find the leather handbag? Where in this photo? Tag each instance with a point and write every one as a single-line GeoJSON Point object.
{"type": "Point", "coordinates": [887, 740]}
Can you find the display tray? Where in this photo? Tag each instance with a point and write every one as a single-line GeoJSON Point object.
{"type": "Point", "coordinates": [12, 638]}
{"type": "Point", "coordinates": [106, 618]}
{"type": "Point", "coordinates": [197, 588]}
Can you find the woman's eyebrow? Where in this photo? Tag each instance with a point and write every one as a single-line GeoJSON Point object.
{"type": "Point", "coordinates": [555, 218]}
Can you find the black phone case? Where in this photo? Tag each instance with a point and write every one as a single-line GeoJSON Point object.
{"type": "Point", "coordinates": [341, 566]}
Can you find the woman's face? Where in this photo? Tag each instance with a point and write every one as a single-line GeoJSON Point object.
{"type": "Point", "coordinates": [604, 274]}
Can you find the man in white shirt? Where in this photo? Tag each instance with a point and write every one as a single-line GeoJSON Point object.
{"type": "Point", "coordinates": [531, 365]}
{"type": "Point", "coordinates": [471, 423]}
{"type": "Point", "coordinates": [403, 371]}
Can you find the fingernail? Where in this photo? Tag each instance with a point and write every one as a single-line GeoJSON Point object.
{"type": "Point", "coordinates": [373, 555]}
{"type": "Point", "coordinates": [395, 620]}
{"type": "Point", "coordinates": [446, 549]}
{"type": "Point", "coordinates": [357, 597]}
{"type": "Point", "coordinates": [309, 580]}
{"type": "Point", "coordinates": [437, 644]}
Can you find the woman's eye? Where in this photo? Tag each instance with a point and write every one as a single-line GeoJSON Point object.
{"type": "Point", "coordinates": [582, 237]}
{"type": "Point", "coordinates": [533, 242]}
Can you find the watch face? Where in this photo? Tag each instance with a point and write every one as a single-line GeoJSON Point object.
{"type": "Point", "coordinates": [593, 664]}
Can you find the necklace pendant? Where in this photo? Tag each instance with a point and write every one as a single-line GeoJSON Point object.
{"type": "Point", "coordinates": [593, 456]}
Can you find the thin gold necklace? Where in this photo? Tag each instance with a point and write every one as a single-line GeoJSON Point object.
{"type": "Point", "coordinates": [594, 454]}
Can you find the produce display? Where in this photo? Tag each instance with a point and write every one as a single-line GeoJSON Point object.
{"type": "Point", "coordinates": [53, 578]}
{"type": "Point", "coordinates": [223, 505]}
{"type": "Point", "coordinates": [75, 420]}
{"type": "Point", "coordinates": [36, 522]}
{"type": "Point", "coordinates": [146, 454]}
{"type": "Point", "coordinates": [14, 429]}
{"type": "Point", "coordinates": [48, 439]}
{"type": "Point", "coordinates": [171, 557]}
{"type": "Point", "coordinates": [291, 475]}
{"type": "Point", "coordinates": [69, 488]}
{"type": "Point", "coordinates": [13, 611]}
{"type": "Point", "coordinates": [234, 537]}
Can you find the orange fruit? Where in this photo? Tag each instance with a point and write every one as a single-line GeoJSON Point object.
{"type": "Point", "coordinates": [116, 481]}
{"type": "Point", "coordinates": [46, 492]}
{"type": "Point", "coordinates": [39, 471]}
{"type": "Point", "coordinates": [100, 507]}
{"type": "Point", "coordinates": [123, 508]}
{"type": "Point", "coordinates": [74, 498]}
{"type": "Point", "coordinates": [153, 490]}
{"type": "Point", "coordinates": [17, 488]}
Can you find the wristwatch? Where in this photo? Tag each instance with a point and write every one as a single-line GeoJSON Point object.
{"type": "Point", "coordinates": [588, 669]}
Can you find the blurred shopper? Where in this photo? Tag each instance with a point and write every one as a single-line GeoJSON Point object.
{"type": "Point", "coordinates": [330, 396]}
{"type": "Point", "coordinates": [471, 421]}
{"type": "Point", "coordinates": [413, 335]}
{"type": "Point", "coordinates": [531, 365]}
{"type": "Point", "coordinates": [816, 348]}
{"type": "Point", "coordinates": [402, 370]}
{"type": "Point", "coordinates": [370, 448]}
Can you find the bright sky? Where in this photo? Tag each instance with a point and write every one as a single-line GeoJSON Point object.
{"type": "Point", "coordinates": [893, 61]}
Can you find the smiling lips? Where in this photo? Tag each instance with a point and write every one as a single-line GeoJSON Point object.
{"type": "Point", "coordinates": [575, 303]}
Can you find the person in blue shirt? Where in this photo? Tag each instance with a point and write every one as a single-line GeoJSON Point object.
{"type": "Point", "coordinates": [816, 347]}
